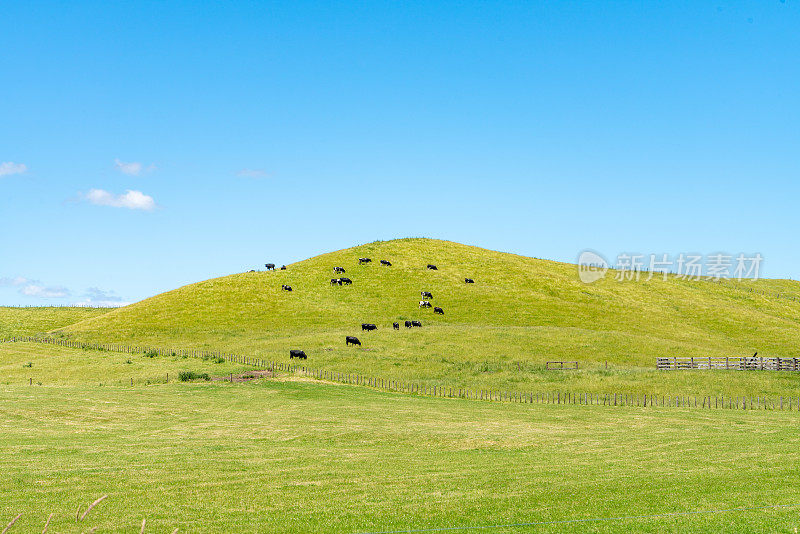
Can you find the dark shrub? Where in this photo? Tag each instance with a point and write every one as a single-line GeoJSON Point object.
{"type": "Point", "coordinates": [186, 376]}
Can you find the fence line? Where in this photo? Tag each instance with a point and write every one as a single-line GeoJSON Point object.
{"type": "Point", "coordinates": [643, 400]}
{"type": "Point", "coordinates": [744, 363]}
{"type": "Point", "coordinates": [130, 349]}
{"type": "Point", "coordinates": [556, 397]}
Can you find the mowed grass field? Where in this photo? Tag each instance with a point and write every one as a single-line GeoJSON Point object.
{"type": "Point", "coordinates": [298, 456]}
{"type": "Point", "coordinates": [497, 333]}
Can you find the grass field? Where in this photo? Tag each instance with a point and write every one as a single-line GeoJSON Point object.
{"type": "Point", "coordinates": [31, 321]}
{"type": "Point", "coordinates": [48, 365]}
{"type": "Point", "coordinates": [278, 456]}
{"type": "Point", "coordinates": [497, 333]}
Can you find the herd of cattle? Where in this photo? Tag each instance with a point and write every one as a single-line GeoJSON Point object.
{"type": "Point", "coordinates": [366, 327]}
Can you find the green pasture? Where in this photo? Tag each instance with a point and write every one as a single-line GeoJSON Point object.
{"type": "Point", "coordinates": [16, 321]}
{"type": "Point", "coordinates": [519, 309]}
{"type": "Point", "coordinates": [297, 456]}
{"type": "Point", "coordinates": [23, 363]}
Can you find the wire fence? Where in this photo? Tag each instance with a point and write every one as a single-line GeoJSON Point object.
{"type": "Point", "coordinates": [133, 349]}
{"type": "Point", "coordinates": [555, 397]}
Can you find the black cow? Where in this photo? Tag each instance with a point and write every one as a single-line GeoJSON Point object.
{"type": "Point", "coordinates": [432, 267]}
{"type": "Point", "coordinates": [352, 340]}
{"type": "Point", "coordinates": [409, 324]}
{"type": "Point", "coordinates": [386, 263]}
{"type": "Point", "coordinates": [251, 271]}
{"type": "Point", "coordinates": [283, 267]}
{"type": "Point", "coordinates": [469, 281]}
{"type": "Point", "coordinates": [438, 310]}
{"type": "Point", "coordinates": [368, 327]}
{"type": "Point", "coordinates": [270, 266]}
{"type": "Point", "coordinates": [339, 270]}
{"type": "Point", "coordinates": [346, 281]}
{"type": "Point", "coordinates": [335, 281]}
{"type": "Point", "coordinates": [297, 354]}
{"type": "Point", "coordinates": [396, 326]}
{"type": "Point", "coordinates": [424, 304]}
{"type": "Point", "coordinates": [426, 294]}
{"type": "Point", "coordinates": [362, 261]}
{"type": "Point", "coordinates": [416, 323]}
{"type": "Point", "coordinates": [286, 288]}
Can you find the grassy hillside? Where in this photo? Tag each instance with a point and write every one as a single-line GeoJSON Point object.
{"type": "Point", "coordinates": [520, 313]}
{"type": "Point", "coordinates": [30, 321]}
{"type": "Point", "coordinates": [305, 457]}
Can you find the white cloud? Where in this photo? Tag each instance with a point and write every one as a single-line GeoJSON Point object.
{"type": "Point", "coordinates": [95, 297]}
{"type": "Point", "coordinates": [14, 282]}
{"type": "Point", "coordinates": [53, 292]}
{"type": "Point", "coordinates": [132, 168]}
{"type": "Point", "coordinates": [134, 200]}
{"type": "Point", "coordinates": [252, 173]}
{"type": "Point", "coordinates": [7, 168]}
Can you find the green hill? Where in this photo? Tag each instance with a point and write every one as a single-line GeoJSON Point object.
{"type": "Point", "coordinates": [15, 321]}
{"type": "Point", "coordinates": [520, 313]}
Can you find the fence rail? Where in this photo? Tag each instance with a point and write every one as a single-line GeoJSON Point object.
{"type": "Point", "coordinates": [746, 363]}
{"type": "Point", "coordinates": [644, 400]}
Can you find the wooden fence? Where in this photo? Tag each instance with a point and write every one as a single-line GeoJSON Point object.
{"type": "Point", "coordinates": [438, 390]}
{"type": "Point", "coordinates": [560, 366]}
{"type": "Point", "coordinates": [745, 363]}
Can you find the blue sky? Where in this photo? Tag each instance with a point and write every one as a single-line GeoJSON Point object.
{"type": "Point", "coordinates": [145, 145]}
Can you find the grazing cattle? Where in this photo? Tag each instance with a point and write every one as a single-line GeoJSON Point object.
{"type": "Point", "coordinates": [251, 271]}
{"type": "Point", "coordinates": [297, 354]}
{"type": "Point", "coordinates": [438, 310]}
{"type": "Point", "coordinates": [432, 267]}
{"type": "Point", "coordinates": [386, 263]}
{"type": "Point", "coordinates": [270, 266]}
{"type": "Point", "coordinates": [339, 270]}
{"type": "Point", "coordinates": [426, 294]}
{"type": "Point", "coordinates": [352, 340]}
{"type": "Point", "coordinates": [368, 327]}
{"type": "Point", "coordinates": [469, 281]}
{"type": "Point", "coordinates": [416, 323]}
{"type": "Point", "coordinates": [335, 281]}
{"type": "Point", "coordinates": [346, 281]}
{"type": "Point", "coordinates": [396, 326]}
{"type": "Point", "coordinates": [283, 267]}
{"type": "Point", "coordinates": [362, 261]}
{"type": "Point", "coordinates": [286, 288]}
{"type": "Point", "coordinates": [408, 324]}
{"type": "Point", "coordinates": [424, 304]}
